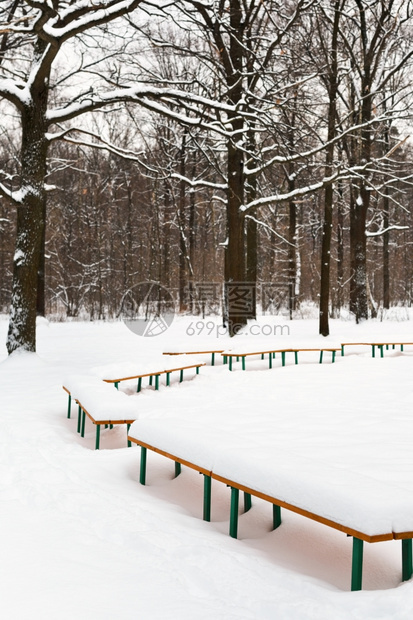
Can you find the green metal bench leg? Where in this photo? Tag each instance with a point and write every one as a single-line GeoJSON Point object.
{"type": "Point", "coordinates": [142, 473]}
{"type": "Point", "coordinates": [150, 380]}
{"type": "Point", "coordinates": [177, 469]}
{"type": "Point", "coordinates": [296, 357]}
{"type": "Point", "coordinates": [181, 376]}
{"type": "Point", "coordinates": [156, 382]}
{"type": "Point", "coordinates": [230, 362]}
{"type": "Point", "coordinates": [357, 565]}
{"type": "Point", "coordinates": [69, 405]}
{"type": "Point", "coordinates": [168, 378]}
{"type": "Point", "coordinates": [138, 389]}
{"type": "Point", "coordinates": [247, 502]}
{"type": "Point", "coordinates": [321, 357]}
{"type": "Point", "coordinates": [82, 431]}
{"type": "Point", "coordinates": [225, 359]}
{"type": "Point", "coordinates": [401, 347]}
{"type": "Point", "coordinates": [270, 360]}
{"type": "Point", "coordinates": [116, 384]}
{"type": "Point", "coordinates": [233, 523]}
{"type": "Point", "coordinates": [333, 357]}
{"type": "Point", "coordinates": [197, 370]}
{"type": "Point", "coordinates": [381, 351]}
{"type": "Point", "coordinates": [373, 351]}
{"type": "Point", "coordinates": [97, 443]}
{"type": "Point", "coordinates": [283, 358]}
{"type": "Point", "coordinates": [207, 498]}
{"type": "Point", "coordinates": [212, 359]}
{"type": "Point", "coordinates": [243, 362]}
{"type": "Point", "coordinates": [342, 350]}
{"type": "Point", "coordinates": [262, 355]}
{"type": "Point", "coordinates": [276, 516]}
{"type": "Point", "coordinates": [127, 434]}
{"type": "Point", "coordinates": [79, 418]}
{"type": "Point", "coordinates": [407, 559]}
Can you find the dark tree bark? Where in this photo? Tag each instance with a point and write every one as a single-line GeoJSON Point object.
{"type": "Point", "coordinates": [30, 215]}
{"type": "Point", "coordinates": [332, 87]}
{"type": "Point", "coordinates": [292, 248]}
{"type": "Point", "coordinates": [235, 274]}
{"type": "Point", "coordinates": [182, 226]}
{"type": "Point", "coordinates": [386, 253]}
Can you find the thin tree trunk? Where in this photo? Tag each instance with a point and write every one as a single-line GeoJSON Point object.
{"type": "Point", "coordinates": [324, 327]}
{"type": "Point", "coordinates": [182, 227]}
{"type": "Point", "coordinates": [386, 253]}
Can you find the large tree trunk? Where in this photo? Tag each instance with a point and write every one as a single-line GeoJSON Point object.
{"type": "Point", "coordinates": [237, 291]}
{"type": "Point", "coordinates": [30, 226]}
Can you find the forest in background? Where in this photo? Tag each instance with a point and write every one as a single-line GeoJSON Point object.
{"type": "Point", "coordinates": [111, 226]}
{"type": "Point", "coordinates": [204, 146]}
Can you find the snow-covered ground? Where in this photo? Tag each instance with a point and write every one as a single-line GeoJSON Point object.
{"type": "Point", "coordinates": [81, 538]}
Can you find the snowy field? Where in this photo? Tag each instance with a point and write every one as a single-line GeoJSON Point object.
{"type": "Point", "coordinates": [81, 538]}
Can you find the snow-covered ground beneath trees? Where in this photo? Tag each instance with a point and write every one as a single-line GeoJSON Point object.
{"type": "Point", "coordinates": [81, 538]}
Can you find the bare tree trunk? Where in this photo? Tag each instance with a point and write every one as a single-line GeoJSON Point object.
{"type": "Point", "coordinates": [292, 252]}
{"type": "Point", "coordinates": [358, 261]}
{"type": "Point", "coordinates": [30, 219]}
{"type": "Point", "coordinates": [332, 86]}
{"type": "Point", "coordinates": [236, 292]}
{"type": "Point", "coordinates": [340, 254]}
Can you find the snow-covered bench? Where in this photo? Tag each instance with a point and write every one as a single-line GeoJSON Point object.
{"type": "Point", "coordinates": [100, 403]}
{"type": "Point", "coordinates": [380, 344]}
{"type": "Point", "coordinates": [116, 373]}
{"type": "Point", "coordinates": [211, 352]}
{"type": "Point", "coordinates": [366, 508]}
{"type": "Point", "coordinates": [243, 354]}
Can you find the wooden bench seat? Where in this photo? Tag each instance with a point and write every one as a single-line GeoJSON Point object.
{"type": "Point", "coordinates": [362, 507]}
{"type": "Point", "coordinates": [154, 375]}
{"type": "Point", "coordinates": [240, 354]}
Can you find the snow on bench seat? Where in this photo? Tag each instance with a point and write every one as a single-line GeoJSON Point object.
{"type": "Point", "coordinates": [365, 507]}
{"type": "Point", "coordinates": [286, 346]}
{"type": "Point", "coordinates": [337, 494]}
{"type": "Point", "coordinates": [380, 343]}
{"type": "Point", "coordinates": [117, 372]}
{"type": "Point", "coordinates": [199, 351]}
{"type": "Point", "coordinates": [100, 403]}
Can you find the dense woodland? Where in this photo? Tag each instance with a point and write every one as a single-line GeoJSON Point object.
{"type": "Point", "coordinates": [203, 144]}
{"type": "Point", "coordinates": [111, 226]}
